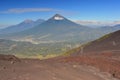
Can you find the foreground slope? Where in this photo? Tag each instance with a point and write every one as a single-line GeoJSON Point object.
{"type": "Point", "coordinates": [51, 69]}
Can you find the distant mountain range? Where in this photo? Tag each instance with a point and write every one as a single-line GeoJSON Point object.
{"type": "Point", "coordinates": [27, 24]}
{"type": "Point", "coordinates": [110, 29]}
{"type": "Point", "coordinates": [57, 29]}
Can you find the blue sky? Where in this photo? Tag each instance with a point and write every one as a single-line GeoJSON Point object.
{"type": "Point", "coordinates": [15, 11]}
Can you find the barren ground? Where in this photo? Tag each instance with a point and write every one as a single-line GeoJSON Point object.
{"type": "Point", "coordinates": [51, 69]}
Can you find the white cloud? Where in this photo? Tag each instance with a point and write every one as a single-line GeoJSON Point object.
{"type": "Point", "coordinates": [24, 10]}
{"type": "Point", "coordinates": [93, 23]}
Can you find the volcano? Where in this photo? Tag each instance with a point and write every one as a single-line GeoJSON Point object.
{"type": "Point", "coordinates": [56, 29]}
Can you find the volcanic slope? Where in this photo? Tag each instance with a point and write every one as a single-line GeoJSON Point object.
{"type": "Point", "coordinates": [109, 42]}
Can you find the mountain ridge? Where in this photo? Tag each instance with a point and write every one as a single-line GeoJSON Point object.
{"type": "Point", "coordinates": [26, 24]}
{"type": "Point", "coordinates": [58, 28]}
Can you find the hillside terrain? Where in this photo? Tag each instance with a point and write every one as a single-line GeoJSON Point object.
{"type": "Point", "coordinates": [109, 42]}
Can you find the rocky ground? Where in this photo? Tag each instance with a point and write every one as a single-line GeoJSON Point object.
{"type": "Point", "coordinates": [67, 68]}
